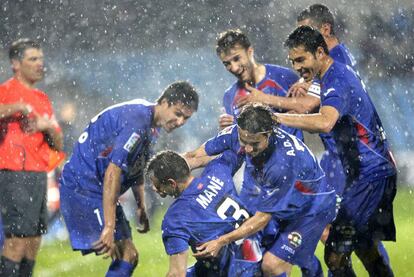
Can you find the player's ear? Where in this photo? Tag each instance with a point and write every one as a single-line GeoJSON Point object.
{"type": "Point", "coordinates": [172, 183]}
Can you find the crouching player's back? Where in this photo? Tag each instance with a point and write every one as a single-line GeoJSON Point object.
{"type": "Point", "coordinates": [205, 208]}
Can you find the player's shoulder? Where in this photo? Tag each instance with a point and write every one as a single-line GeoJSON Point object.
{"type": "Point", "coordinates": [274, 69]}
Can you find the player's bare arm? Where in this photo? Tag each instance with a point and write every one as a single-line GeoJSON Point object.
{"type": "Point", "coordinates": [249, 227]}
{"type": "Point", "coordinates": [178, 265]}
{"type": "Point", "coordinates": [111, 189]}
{"type": "Point", "coordinates": [321, 122]}
{"type": "Point", "coordinates": [300, 105]}
{"type": "Point", "coordinates": [141, 214]}
{"type": "Point", "coordinates": [225, 120]}
{"type": "Point", "coordinates": [197, 158]}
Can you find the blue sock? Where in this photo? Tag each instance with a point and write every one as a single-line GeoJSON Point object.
{"type": "Point", "coordinates": [383, 253]}
{"type": "Point", "coordinates": [119, 268]}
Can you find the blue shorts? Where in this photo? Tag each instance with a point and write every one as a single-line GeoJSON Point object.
{"type": "Point", "coordinates": [366, 215]}
{"type": "Point", "coordinates": [83, 215]}
{"type": "Point", "coordinates": [298, 238]}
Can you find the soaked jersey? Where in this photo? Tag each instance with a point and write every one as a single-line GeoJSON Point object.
{"type": "Point", "coordinates": [330, 161]}
{"type": "Point", "coordinates": [359, 138]}
{"type": "Point", "coordinates": [289, 178]}
{"type": "Point", "coordinates": [121, 134]}
{"type": "Point", "coordinates": [206, 209]}
{"type": "Point", "coordinates": [276, 82]}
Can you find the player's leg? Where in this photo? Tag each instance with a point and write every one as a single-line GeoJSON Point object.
{"type": "Point", "coordinates": [126, 265]}
{"type": "Point", "coordinates": [275, 266]}
{"type": "Point", "coordinates": [373, 261]}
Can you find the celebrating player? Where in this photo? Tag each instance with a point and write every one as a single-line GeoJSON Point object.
{"type": "Point", "coordinates": [366, 215]}
{"type": "Point", "coordinates": [293, 192]}
{"type": "Point", "coordinates": [109, 158]}
{"type": "Point", "coordinates": [205, 207]}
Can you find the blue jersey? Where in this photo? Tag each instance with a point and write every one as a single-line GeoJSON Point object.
{"type": "Point", "coordinates": [121, 134]}
{"type": "Point", "coordinates": [340, 53]}
{"type": "Point", "coordinates": [206, 209]}
{"type": "Point", "coordinates": [359, 138]}
{"type": "Point", "coordinates": [276, 82]}
{"type": "Point", "coordinates": [330, 161]}
{"type": "Point", "coordinates": [290, 180]}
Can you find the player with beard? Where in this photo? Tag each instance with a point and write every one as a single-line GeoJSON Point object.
{"type": "Point", "coordinates": [108, 159]}
{"type": "Point", "coordinates": [347, 112]}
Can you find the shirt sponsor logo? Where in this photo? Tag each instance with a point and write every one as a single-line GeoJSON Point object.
{"type": "Point", "coordinates": [133, 139]}
{"type": "Point", "coordinates": [329, 90]}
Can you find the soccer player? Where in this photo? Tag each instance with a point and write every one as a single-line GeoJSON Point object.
{"type": "Point", "coordinates": [271, 82]}
{"type": "Point", "coordinates": [205, 207]}
{"type": "Point", "coordinates": [293, 192]}
{"type": "Point", "coordinates": [321, 18]}
{"type": "Point", "coordinates": [29, 136]}
{"type": "Point", "coordinates": [366, 215]}
{"type": "Point", "coordinates": [108, 159]}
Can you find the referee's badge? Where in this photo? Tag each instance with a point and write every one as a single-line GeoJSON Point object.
{"type": "Point", "coordinates": [295, 239]}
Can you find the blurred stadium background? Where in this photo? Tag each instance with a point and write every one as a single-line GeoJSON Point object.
{"type": "Point", "coordinates": [103, 52]}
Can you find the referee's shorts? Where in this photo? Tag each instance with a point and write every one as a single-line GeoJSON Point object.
{"type": "Point", "coordinates": [23, 203]}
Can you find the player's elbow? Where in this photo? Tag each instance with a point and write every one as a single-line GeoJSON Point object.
{"type": "Point", "coordinates": [325, 126]}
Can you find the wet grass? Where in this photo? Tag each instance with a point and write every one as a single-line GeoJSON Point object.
{"type": "Point", "coordinates": [57, 259]}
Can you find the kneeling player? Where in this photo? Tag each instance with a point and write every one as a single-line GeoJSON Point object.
{"type": "Point", "coordinates": [205, 208]}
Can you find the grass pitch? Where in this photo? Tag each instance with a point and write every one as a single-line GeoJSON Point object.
{"type": "Point", "coordinates": [57, 259]}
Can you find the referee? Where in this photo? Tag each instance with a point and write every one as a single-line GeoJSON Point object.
{"type": "Point", "coordinates": [29, 136]}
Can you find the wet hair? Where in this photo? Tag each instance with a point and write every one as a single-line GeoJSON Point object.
{"type": "Point", "coordinates": [256, 118]}
{"type": "Point", "coordinates": [180, 92]}
{"type": "Point", "coordinates": [231, 38]}
{"type": "Point", "coordinates": [307, 37]}
{"type": "Point", "coordinates": [168, 165]}
{"type": "Point", "coordinates": [319, 14]}
{"type": "Point", "coordinates": [18, 47]}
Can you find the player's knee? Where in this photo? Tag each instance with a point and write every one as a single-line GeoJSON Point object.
{"type": "Point", "coordinates": [274, 266]}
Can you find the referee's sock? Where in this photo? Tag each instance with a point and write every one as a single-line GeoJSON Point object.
{"type": "Point", "coordinates": [120, 268]}
{"type": "Point", "coordinates": [26, 268]}
{"type": "Point", "coordinates": [9, 268]}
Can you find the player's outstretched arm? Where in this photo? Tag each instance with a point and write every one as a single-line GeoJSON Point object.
{"type": "Point", "coordinates": [249, 227]}
{"type": "Point", "coordinates": [321, 122]}
{"type": "Point", "coordinates": [142, 218]}
{"type": "Point", "coordinates": [197, 158]}
{"type": "Point", "coordinates": [178, 265]}
{"type": "Point", "coordinates": [305, 104]}
{"type": "Point", "coordinates": [111, 188]}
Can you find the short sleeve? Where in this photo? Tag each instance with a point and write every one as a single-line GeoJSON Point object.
{"type": "Point", "coordinates": [337, 96]}
{"type": "Point", "coordinates": [128, 142]}
{"type": "Point", "coordinates": [227, 139]}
